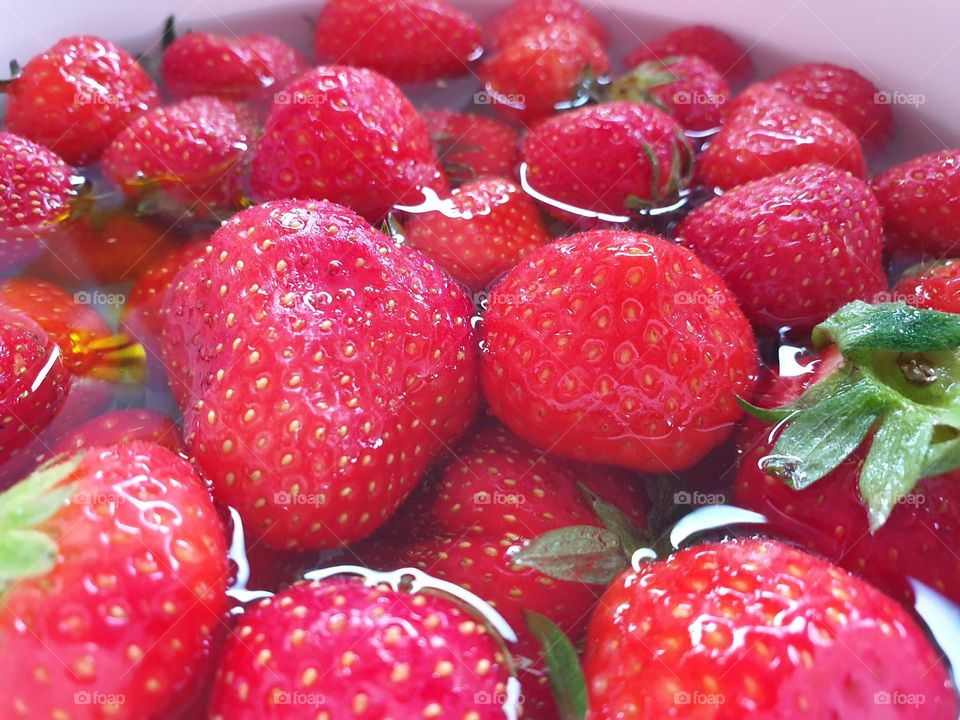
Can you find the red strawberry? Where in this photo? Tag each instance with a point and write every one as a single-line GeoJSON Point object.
{"type": "Point", "coordinates": [77, 96]}
{"type": "Point", "coordinates": [344, 647]}
{"type": "Point", "coordinates": [327, 367]}
{"type": "Point", "coordinates": [608, 159]}
{"type": "Point", "coordinates": [36, 193]}
{"type": "Point", "coordinates": [522, 16]}
{"type": "Point", "coordinates": [592, 353]}
{"type": "Point", "coordinates": [118, 588]}
{"type": "Point", "coordinates": [754, 628]}
{"type": "Point", "coordinates": [713, 45]}
{"type": "Point", "coordinates": [471, 146]}
{"type": "Point", "coordinates": [347, 135]}
{"type": "Point", "coordinates": [921, 202]}
{"type": "Point", "coordinates": [768, 133]}
{"type": "Point", "coordinates": [479, 231]}
{"type": "Point", "coordinates": [933, 287]}
{"type": "Point", "coordinates": [788, 266]}
{"type": "Point", "coordinates": [193, 152]}
{"type": "Point", "coordinates": [540, 71]}
{"type": "Point", "coordinates": [229, 67]}
{"type": "Point", "coordinates": [122, 427]}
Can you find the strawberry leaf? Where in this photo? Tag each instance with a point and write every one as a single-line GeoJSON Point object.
{"type": "Point", "coordinates": [579, 553]}
{"type": "Point", "coordinates": [566, 677]}
{"type": "Point", "coordinates": [888, 326]}
{"type": "Point", "coordinates": [614, 520]}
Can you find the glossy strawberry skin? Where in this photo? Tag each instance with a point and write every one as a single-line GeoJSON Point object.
{"type": "Point", "coordinates": [521, 16]}
{"type": "Point", "coordinates": [933, 287]}
{"type": "Point", "coordinates": [470, 146]}
{"type": "Point", "coordinates": [406, 40]}
{"type": "Point", "coordinates": [312, 344]}
{"type": "Point", "coordinates": [133, 601]}
{"type": "Point", "coordinates": [122, 427]}
{"type": "Point", "coordinates": [342, 648]}
{"type": "Point", "coordinates": [713, 45]}
{"type": "Point", "coordinates": [616, 347]}
{"type": "Point", "coordinates": [367, 147]}
{"type": "Point", "coordinates": [77, 96]}
{"type": "Point", "coordinates": [755, 628]}
{"type": "Point", "coordinates": [769, 241]}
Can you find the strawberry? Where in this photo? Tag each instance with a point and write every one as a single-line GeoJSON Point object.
{"type": "Point", "coordinates": [112, 600]}
{"type": "Point", "coordinates": [595, 350]}
{"type": "Point", "coordinates": [752, 233]}
{"type": "Point", "coordinates": [767, 133]}
{"type": "Point", "coordinates": [935, 286]}
{"type": "Point", "coordinates": [347, 135]}
{"type": "Point", "coordinates": [122, 427]}
{"type": "Point", "coordinates": [312, 344]}
{"type": "Point", "coordinates": [921, 202]}
{"type": "Point", "coordinates": [229, 67]}
{"type": "Point", "coordinates": [193, 152]}
{"type": "Point", "coordinates": [36, 193]}
{"type": "Point", "coordinates": [406, 40]}
{"type": "Point", "coordinates": [755, 628]}
{"type": "Point", "coordinates": [522, 16]}
{"type": "Point", "coordinates": [542, 71]}
{"type": "Point", "coordinates": [77, 96]}
{"type": "Point", "coordinates": [606, 160]}
{"type": "Point", "coordinates": [479, 231]}
{"type": "Point", "coordinates": [346, 647]}
{"type": "Point", "coordinates": [713, 45]}
{"type": "Point", "coordinates": [471, 146]}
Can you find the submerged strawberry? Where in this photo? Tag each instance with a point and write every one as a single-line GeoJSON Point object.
{"type": "Point", "coordinates": [935, 286]}
{"type": "Point", "coordinates": [713, 45]}
{"type": "Point", "coordinates": [471, 146]}
{"type": "Point", "coordinates": [522, 16]}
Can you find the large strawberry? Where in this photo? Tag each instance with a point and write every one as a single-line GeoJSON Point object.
{"type": "Point", "coordinates": [935, 286]}
{"type": "Point", "coordinates": [712, 44]}
{"type": "Point", "coordinates": [116, 589]}
{"type": "Point", "coordinates": [794, 247]}
{"type": "Point", "coordinates": [617, 347]}
{"type": "Point", "coordinates": [348, 135]}
{"type": "Point", "coordinates": [77, 96]}
{"type": "Point", "coordinates": [326, 365]}
{"type": "Point", "coordinates": [522, 16]}
{"type": "Point", "coordinates": [471, 146]}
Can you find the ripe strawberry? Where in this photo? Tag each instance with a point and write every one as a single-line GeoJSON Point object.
{"type": "Point", "coordinates": [767, 133]}
{"type": "Point", "coordinates": [522, 16]}
{"type": "Point", "coordinates": [229, 67]}
{"type": "Point", "coordinates": [794, 247]}
{"type": "Point", "coordinates": [713, 45]}
{"type": "Point", "coordinates": [541, 70]}
{"type": "Point", "coordinates": [348, 135]}
{"type": "Point", "coordinates": [616, 347]}
{"type": "Point", "coordinates": [36, 193]}
{"type": "Point", "coordinates": [471, 146]}
{"type": "Point", "coordinates": [479, 231]}
{"type": "Point", "coordinates": [193, 152]}
{"type": "Point", "coordinates": [935, 286]}
{"type": "Point", "coordinates": [122, 427]}
{"type": "Point", "coordinates": [314, 345]}
{"type": "Point", "coordinates": [754, 628]}
{"type": "Point", "coordinates": [117, 589]}
{"type": "Point", "coordinates": [921, 202]}
{"type": "Point", "coordinates": [343, 647]}
{"type": "Point", "coordinates": [77, 96]}
{"type": "Point", "coordinates": [406, 40]}
{"type": "Point", "coordinates": [608, 159]}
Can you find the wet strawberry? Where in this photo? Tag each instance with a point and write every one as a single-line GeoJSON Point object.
{"type": "Point", "coordinates": [471, 146]}
{"type": "Point", "coordinates": [522, 16]}
{"type": "Point", "coordinates": [713, 45]}
{"type": "Point", "coordinates": [122, 427]}
{"type": "Point", "coordinates": [933, 287]}
{"type": "Point", "coordinates": [77, 96]}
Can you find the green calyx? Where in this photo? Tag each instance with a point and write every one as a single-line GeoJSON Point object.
{"type": "Point", "coordinates": [639, 84]}
{"type": "Point", "coordinates": [566, 677]}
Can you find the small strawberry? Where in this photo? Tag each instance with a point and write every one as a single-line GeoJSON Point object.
{"type": "Point", "coordinates": [754, 628]}
{"type": "Point", "coordinates": [122, 427]}
{"type": "Point", "coordinates": [921, 202]}
{"type": "Point", "coordinates": [229, 67]}
{"type": "Point", "coordinates": [604, 160]}
{"type": "Point", "coordinates": [471, 146]}
{"type": "Point", "coordinates": [479, 231]}
{"type": "Point", "coordinates": [935, 286]}
{"type": "Point", "coordinates": [348, 135]}
{"type": "Point", "coordinates": [593, 350]}
{"type": "Point", "coordinates": [522, 16]}
{"type": "Point", "coordinates": [542, 71]}
{"type": "Point", "coordinates": [713, 45]}
{"type": "Point", "coordinates": [406, 40]}
{"type": "Point", "coordinates": [77, 96]}
{"type": "Point", "coordinates": [794, 247]}
{"type": "Point", "coordinates": [112, 600]}
{"type": "Point", "coordinates": [351, 647]}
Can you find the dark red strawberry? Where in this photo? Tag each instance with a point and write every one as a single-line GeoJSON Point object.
{"type": "Point", "coordinates": [522, 16]}
{"type": "Point", "coordinates": [921, 202]}
{"type": "Point", "coordinates": [327, 366]}
{"type": "Point", "coordinates": [592, 351]}
{"type": "Point", "coordinates": [611, 159]}
{"type": "Point", "coordinates": [541, 71]}
{"type": "Point", "coordinates": [406, 40]}
{"type": "Point", "coordinates": [754, 628]}
{"type": "Point", "coordinates": [713, 45]}
{"type": "Point", "coordinates": [348, 135]}
{"type": "Point", "coordinates": [77, 96]}
{"type": "Point", "coordinates": [229, 67]}
{"type": "Point", "coordinates": [794, 247]}
{"type": "Point", "coordinates": [122, 427]}
{"type": "Point", "coordinates": [932, 287]}
{"type": "Point", "coordinates": [471, 146]}
{"type": "Point", "coordinates": [479, 231]}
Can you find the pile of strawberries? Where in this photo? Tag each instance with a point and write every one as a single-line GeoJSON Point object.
{"type": "Point", "coordinates": [399, 412]}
